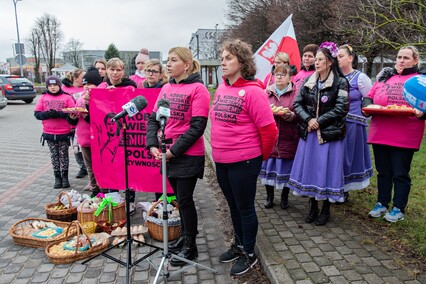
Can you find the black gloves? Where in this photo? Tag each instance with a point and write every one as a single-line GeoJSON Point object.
{"type": "Point", "coordinates": [56, 114]}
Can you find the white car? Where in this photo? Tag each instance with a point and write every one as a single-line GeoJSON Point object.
{"type": "Point", "coordinates": [3, 100]}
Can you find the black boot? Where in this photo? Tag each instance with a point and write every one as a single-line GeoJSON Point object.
{"type": "Point", "coordinates": [58, 179]}
{"type": "Point", "coordinates": [324, 216]}
{"type": "Point", "coordinates": [65, 181]}
{"type": "Point", "coordinates": [313, 213]}
{"type": "Point", "coordinates": [269, 196]}
{"type": "Point", "coordinates": [176, 245]}
{"type": "Point", "coordinates": [189, 251]}
{"type": "Point", "coordinates": [284, 198]}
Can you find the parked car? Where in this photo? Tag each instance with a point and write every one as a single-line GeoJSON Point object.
{"type": "Point", "coordinates": [17, 88]}
{"type": "Point", "coordinates": [3, 100]}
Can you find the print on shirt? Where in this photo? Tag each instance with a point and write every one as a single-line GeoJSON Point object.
{"type": "Point", "coordinates": [227, 108]}
{"type": "Point", "coordinates": [393, 94]}
{"type": "Point", "coordinates": [179, 105]}
{"type": "Point", "coordinates": [112, 139]}
{"type": "Point", "coordinates": [54, 104]}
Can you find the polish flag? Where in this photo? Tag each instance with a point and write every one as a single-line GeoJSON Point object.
{"type": "Point", "coordinates": [282, 40]}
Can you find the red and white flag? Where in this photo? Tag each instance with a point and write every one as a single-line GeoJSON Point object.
{"type": "Point", "coordinates": [282, 40]}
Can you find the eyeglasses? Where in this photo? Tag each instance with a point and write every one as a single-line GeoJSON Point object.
{"type": "Point", "coordinates": [152, 71]}
{"type": "Point", "coordinates": [280, 75]}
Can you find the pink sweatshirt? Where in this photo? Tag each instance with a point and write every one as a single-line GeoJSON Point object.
{"type": "Point", "coordinates": [186, 101]}
{"type": "Point", "coordinates": [72, 90]}
{"type": "Point", "coordinates": [397, 131]}
{"type": "Point", "coordinates": [237, 113]}
{"type": "Point", "coordinates": [47, 102]}
{"type": "Point", "coordinates": [138, 80]}
{"type": "Point", "coordinates": [83, 127]}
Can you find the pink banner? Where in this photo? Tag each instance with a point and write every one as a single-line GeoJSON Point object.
{"type": "Point", "coordinates": [108, 144]}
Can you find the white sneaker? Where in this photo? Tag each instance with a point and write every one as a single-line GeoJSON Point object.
{"type": "Point", "coordinates": [378, 211]}
{"type": "Point", "coordinates": [394, 216]}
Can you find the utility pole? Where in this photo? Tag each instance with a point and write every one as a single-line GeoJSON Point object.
{"type": "Point", "coordinates": [19, 41]}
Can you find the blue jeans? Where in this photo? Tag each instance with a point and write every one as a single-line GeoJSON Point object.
{"type": "Point", "coordinates": [238, 183]}
{"type": "Point", "coordinates": [393, 166]}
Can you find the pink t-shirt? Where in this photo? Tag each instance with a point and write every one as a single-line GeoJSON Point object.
{"type": "Point", "coordinates": [237, 113]}
{"type": "Point", "coordinates": [300, 78]}
{"type": "Point", "coordinates": [269, 80]}
{"type": "Point", "coordinates": [83, 127]}
{"type": "Point", "coordinates": [47, 102]}
{"type": "Point", "coordinates": [138, 80]}
{"type": "Point", "coordinates": [186, 101]}
{"type": "Point", "coordinates": [396, 131]}
{"type": "Point", "coordinates": [72, 90]}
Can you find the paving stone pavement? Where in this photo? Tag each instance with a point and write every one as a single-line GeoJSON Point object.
{"type": "Point", "coordinates": [26, 185]}
{"type": "Point", "coordinates": [292, 251]}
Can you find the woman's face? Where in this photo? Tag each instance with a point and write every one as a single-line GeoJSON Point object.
{"type": "Point", "coordinates": [176, 66]}
{"type": "Point", "coordinates": [231, 67]}
{"type": "Point", "coordinates": [140, 65]}
{"type": "Point", "coordinates": [322, 64]}
{"type": "Point", "coordinates": [101, 69]}
{"type": "Point", "coordinates": [308, 59]}
{"type": "Point", "coordinates": [405, 59]}
{"type": "Point", "coordinates": [344, 59]}
{"type": "Point", "coordinates": [282, 80]}
{"type": "Point", "coordinates": [115, 74]}
{"type": "Point", "coordinates": [153, 74]}
{"type": "Point", "coordinates": [78, 82]}
{"type": "Point", "coordinates": [279, 62]}
{"type": "Point", "coordinates": [53, 88]}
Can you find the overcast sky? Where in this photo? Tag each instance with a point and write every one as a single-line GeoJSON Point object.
{"type": "Point", "coordinates": [129, 24]}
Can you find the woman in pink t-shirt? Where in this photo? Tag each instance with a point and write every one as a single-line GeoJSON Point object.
{"type": "Point", "coordinates": [394, 138]}
{"type": "Point", "coordinates": [189, 107]}
{"type": "Point", "coordinates": [243, 133]}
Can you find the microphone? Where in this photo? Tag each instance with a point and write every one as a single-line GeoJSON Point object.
{"type": "Point", "coordinates": [163, 112]}
{"type": "Point", "coordinates": [131, 108]}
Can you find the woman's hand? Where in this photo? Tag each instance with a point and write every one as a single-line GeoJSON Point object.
{"type": "Point", "coordinates": [110, 87]}
{"type": "Point", "coordinates": [73, 115]}
{"type": "Point", "coordinates": [169, 155]}
{"type": "Point", "coordinates": [418, 113]}
{"type": "Point", "coordinates": [156, 153]}
{"type": "Point", "coordinates": [312, 124]}
{"type": "Point", "coordinates": [87, 97]}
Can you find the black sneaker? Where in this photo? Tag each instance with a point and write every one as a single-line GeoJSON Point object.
{"type": "Point", "coordinates": [244, 264]}
{"type": "Point", "coordinates": [232, 254]}
{"type": "Point", "coordinates": [81, 173]}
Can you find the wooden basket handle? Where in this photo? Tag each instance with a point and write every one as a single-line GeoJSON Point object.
{"type": "Point", "coordinates": [68, 197]}
{"type": "Point", "coordinates": [79, 229]}
{"type": "Point", "coordinates": [156, 203]}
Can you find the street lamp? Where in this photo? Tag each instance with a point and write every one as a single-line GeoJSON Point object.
{"type": "Point", "coordinates": [19, 41]}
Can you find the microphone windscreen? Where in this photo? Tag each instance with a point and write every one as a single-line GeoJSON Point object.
{"type": "Point", "coordinates": [140, 102]}
{"type": "Point", "coordinates": [163, 103]}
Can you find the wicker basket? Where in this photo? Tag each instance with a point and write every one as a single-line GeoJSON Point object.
{"type": "Point", "coordinates": [77, 254]}
{"type": "Point", "coordinates": [118, 213]}
{"type": "Point", "coordinates": [88, 226]}
{"type": "Point", "coordinates": [156, 231]}
{"type": "Point", "coordinates": [20, 237]}
{"type": "Point", "coordinates": [65, 215]}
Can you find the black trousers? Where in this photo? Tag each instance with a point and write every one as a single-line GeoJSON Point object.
{"type": "Point", "coordinates": [393, 166]}
{"type": "Point", "coordinates": [183, 188]}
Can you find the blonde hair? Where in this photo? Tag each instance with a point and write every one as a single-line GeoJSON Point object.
{"type": "Point", "coordinates": [101, 60]}
{"type": "Point", "coordinates": [282, 56]}
{"type": "Point", "coordinates": [416, 54]}
{"type": "Point", "coordinates": [115, 62]}
{"type": "Point", "coordinates": [74, 74]}
{"type": "Point", "coordinates": [185, 55]}
{"type": "Point", "coordinates": [156, 62]}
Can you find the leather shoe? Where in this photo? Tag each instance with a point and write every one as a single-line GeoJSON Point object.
{"type": "Point", "coordinates": [81, 173]}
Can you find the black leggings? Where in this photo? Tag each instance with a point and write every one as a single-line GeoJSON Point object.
{"type": "Point", "coordinates": [184, 191]}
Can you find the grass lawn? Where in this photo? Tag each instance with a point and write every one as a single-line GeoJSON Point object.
{"type": "Point", "coordinates": [409, 234]}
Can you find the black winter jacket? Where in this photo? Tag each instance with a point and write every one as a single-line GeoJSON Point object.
{"type": "Point", "coordinates": [333, 101]}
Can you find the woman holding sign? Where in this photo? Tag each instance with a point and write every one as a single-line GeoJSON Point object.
{"type": "Point", "coordinates": [189, 107]}
{"type": "Point", "coordinates": [394, 138]}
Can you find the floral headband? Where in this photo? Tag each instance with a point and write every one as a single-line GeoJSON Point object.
{"type": "Point", "coordinates": [331, 46]}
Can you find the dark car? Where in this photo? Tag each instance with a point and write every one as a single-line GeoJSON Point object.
{"type": "Point", "coordinates": [3, 100]}
{"type": "Point", "coordinates": [17, 88]}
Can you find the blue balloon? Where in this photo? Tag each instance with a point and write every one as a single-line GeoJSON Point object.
{"type": "Point", "coordinates": [415, 92]}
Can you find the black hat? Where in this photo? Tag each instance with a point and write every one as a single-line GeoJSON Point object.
{"type": "Point", "coordinates": [92, 77]}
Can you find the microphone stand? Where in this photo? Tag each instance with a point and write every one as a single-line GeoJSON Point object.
{"type": "Point", "coordinates": [163, 267]}
{"type": "Point", "coordinates": [128, 241]}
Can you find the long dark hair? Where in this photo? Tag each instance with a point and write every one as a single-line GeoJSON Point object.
{"type": "Point", "coordinates": [334, 67]}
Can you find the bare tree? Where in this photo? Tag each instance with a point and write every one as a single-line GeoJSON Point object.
{"type": "Point", "coordinates": [73, 48]}
{"type": "Point", "coordinates": [34, 45]}
{"type": "Point", "coordinates": [49, 29]}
